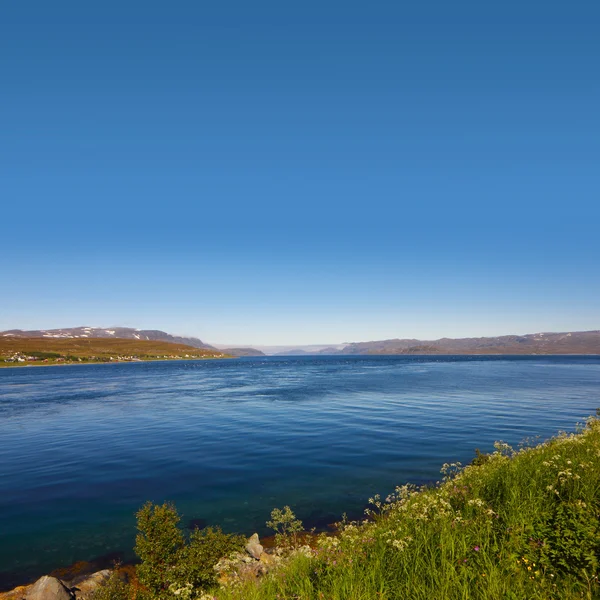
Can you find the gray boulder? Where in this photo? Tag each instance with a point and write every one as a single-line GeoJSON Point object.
{"type": "Point", "coordinates": [49, 588]}
{"type": "Point", "coordinates": [253, 547]}
{"type": "Point", "coordinates": [86, 585]}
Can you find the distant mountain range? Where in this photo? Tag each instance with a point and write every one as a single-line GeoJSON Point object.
{"type": "Point", "coordinates": [576, 342]}
{"type": "Point", "coordinates": [243, 352]}
{"type": "Point", "coordinates": [124, 333]}
{"type": "Point", "coordinates": [300, 350]}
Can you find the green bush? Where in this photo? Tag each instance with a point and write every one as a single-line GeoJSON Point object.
{"type": "Point", "coordinates": [158, 545]}
{"type": "Point", "coordinates": [286, 526]}
{"type": "Point", "coordinates": [480, 458]}
{"type": "Point", "coordinates": [196, 560]}
{"type": "Point", "coordinates": [113, 589]}
{"type": "Point", "coordinates": [570, 539]}
{"type": "Point", "coordinates": [171, 565]}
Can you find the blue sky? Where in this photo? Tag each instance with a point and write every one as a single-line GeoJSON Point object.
{"type": "Point", "coordinates": [277, 173]}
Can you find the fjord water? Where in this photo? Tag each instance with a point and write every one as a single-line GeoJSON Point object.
{"type": "Point", "coordinates": [82, 447]}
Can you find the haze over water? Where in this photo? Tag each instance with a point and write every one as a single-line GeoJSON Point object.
{"type": "Point", "coordinates": [83, 447]}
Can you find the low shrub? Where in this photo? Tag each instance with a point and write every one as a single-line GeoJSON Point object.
{"type": "Point", "coordinates": [286, 526]}
{"type": "Point", "coordinates": [113, 589]}
{"type": "Point", "coordinates": [171, 565]}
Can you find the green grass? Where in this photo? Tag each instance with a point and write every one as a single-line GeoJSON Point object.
{"type": "Point", "coordinates": [518, 525]}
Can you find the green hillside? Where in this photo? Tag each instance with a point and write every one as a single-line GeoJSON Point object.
{"type": "Point", "coordinates": [19, 351]}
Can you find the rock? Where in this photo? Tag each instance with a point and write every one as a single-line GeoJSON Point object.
{"type": "Point", "coordinates": [253, 547]}
{"type": "Point", "coordinates": [269, 559]}
{"type": "Point", "coordinates": [85, 586]}
{"type": "Point", "coordinates": [49, 588]}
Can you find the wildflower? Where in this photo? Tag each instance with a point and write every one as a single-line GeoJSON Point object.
{"type": "Point", "coordinates": [476, 548]}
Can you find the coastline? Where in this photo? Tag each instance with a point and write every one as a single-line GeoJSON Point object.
{"type": "Point", "coordinates": [112, 362]}
{"type": "Point", "coordinates": [229, 356]}
{"type": "Point", "coordinates": [126, 561]}
{"type": "Point", "coordinates": [35, 351]}
{"type": "Point", "coordinates": [479, 519]}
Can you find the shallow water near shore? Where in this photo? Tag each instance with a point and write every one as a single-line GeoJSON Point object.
{"type": "Point", "coordinates": [82, 447]}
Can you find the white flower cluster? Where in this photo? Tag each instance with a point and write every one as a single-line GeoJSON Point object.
{"type": "Point", "coordinates": [503, 449]}
{"type": "Point", "coordinates": [451, 470]}
{"type": "Point", "coordinates": [402, 544]}
{"type": "Point", "coordinates": [303, 551]}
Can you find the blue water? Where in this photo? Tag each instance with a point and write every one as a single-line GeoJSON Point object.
{"type": "Point", "coordinates": [82, 447]}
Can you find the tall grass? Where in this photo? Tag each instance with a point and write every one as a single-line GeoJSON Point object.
{"type": "Point", "coordinates": [518, 525]}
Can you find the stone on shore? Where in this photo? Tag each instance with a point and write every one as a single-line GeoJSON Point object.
{"type": "Point", "coordinates": [49, 588]}
{"type": "Point", "coordinates": [84, 586]}
{"type": "Point", "coordinates": [253, 547]}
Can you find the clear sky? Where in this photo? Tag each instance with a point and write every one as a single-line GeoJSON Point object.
{"type": "Point", "coordinates": [307, 172]}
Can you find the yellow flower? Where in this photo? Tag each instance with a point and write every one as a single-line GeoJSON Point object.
{"type": "Point", "coordinates": [529, 568]}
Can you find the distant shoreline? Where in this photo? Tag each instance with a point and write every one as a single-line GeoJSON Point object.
{"type": "Point", "coordinates": [109, 362]}
{"type": "Point", "coordinates": [35, 351]}
{"type": "Point", "coordinates": [167, 360]}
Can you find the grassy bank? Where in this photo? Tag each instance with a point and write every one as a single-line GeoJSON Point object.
{"type": "Point", "coordinates": [16, 351]}
{"type": "Point", "coordinates": [516, 524]}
